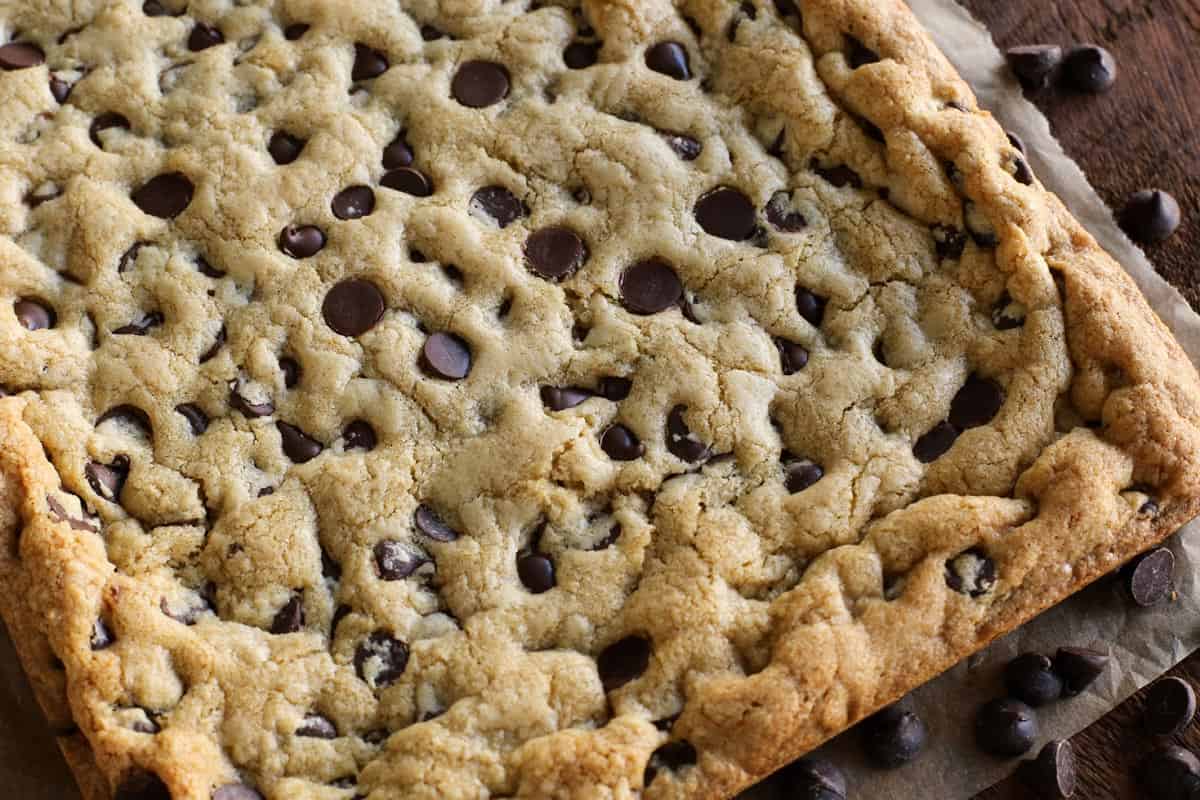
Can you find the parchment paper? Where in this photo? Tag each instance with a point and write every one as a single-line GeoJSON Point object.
{"type": "Point", "coordinates": [1144, 643]}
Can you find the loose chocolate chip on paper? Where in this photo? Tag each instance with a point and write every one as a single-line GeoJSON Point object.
{"type": "Point", "coordinates": [1151, 577]}
{"type": "Point", "coordinates": [398, 153]}
{"type": "Point", "coordinates": [353, 202]}
{"type": "Point", "coordinates": [20, 55]}
{"type": "Point", "coordinates": [409, 181]}
{"type": "Point", "coordinates": [680, 441]}
{"type": "Point", "coordinates": [726, 213]}
{"type": "Point", "coordinates": [620, 443]}
{"type": "Point", "coordinates": [204, 36]}
{"type": "Point", "coordinates": [1030, 677]}
{"type": "Point", "coordinates": [1150, 216]}
{"type": "Point", "coordinates": [315, 726]}
{"type": "Point", "coordinates": [934, 443]}
{"type": "Point", "coordinates": [623, 661]}
{"type": "Point", "coordinates": [649, 287]}
{"type": "Point", "coordinates": [1005, 727]}
{"type": "Point", "coordinates": [368, 63]}
{"type": "Point", "coordinates": [429, 523]}
{"type": "Point", "coordinates": [298, 445]}
{"type": "Point", "coordinates": [560, 399]}
{"type": "Point", "coordinates": [670, 59]}
{"type": "Point", "coordinates": [353, 306]}
{"type": "Point", "coordinates": [1079, 667]}
{"type": "Point", "coordinates": [811, 778]}
{"type": "Point", "coordinates": [446, 356]}
{"type": "Point", "coordinates": [1033, 64]}
{"type": "Point", "coordinates": [285, 148]}
{"type": "Point", "coordinates": [395, 561]}
{"type": "Point", "coordinates": [976, 403]}
{"type": "Point", "coordinates": [1170, 706]}
{"type": "Point", "coordinates": [581, 55]}
{"type": "Point", "coordinates": [892, 737]}
{"type": "Point", "coordinates": [555, 253]}
{"type": "Point", "coordinates": [34, 315]}
{"type": "Point", "coordinates": [301, 241]}
{"type": "Point", "coordinates": [108, 120]}
{"type": "Point", "coordinates": [164, 196]}
{"type": "Point", "coordinates": [196, 418]}
{"type": "Point", "coordinates": [381, 659]}
{"type": "Point", "coordinates": [1053, 774]}
{"type": "Point", "coordinates": [289, 618]}
{"type": "Point", "coordinates": [536, 572]}
{"type": "Point", "coordinates": [971, 573]}
{"type": "Point", "coordinates": [1089, 68]}
{"type": "Point", "coordinates": [359, 435]}
{"type": "Point", "coordinates": [672, 756]}
{"type": "Point", "coordinates": [478, 84]}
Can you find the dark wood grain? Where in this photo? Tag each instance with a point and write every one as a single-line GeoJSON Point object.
{"type": "Point", "coordinates": [1144, 133]}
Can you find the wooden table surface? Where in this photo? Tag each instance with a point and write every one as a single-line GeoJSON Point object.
{"type": "Point", "coordinates": [1142, 134]}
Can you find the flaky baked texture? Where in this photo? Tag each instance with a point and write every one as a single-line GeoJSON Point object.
{"type": "Point", "coordinates": [477, 399]}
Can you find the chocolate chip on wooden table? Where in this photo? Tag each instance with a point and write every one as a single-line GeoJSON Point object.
{"type": "Point", "coordinates": [20, 55]}
{"type": "Point", "coordinates": [555, 253]}
{"type": "Point", "coordinates": [726, 213]}
{"type": "Point", "coordinates": [971, 573]}
{"type": "Point", "coordinates": [315, 726]}
{"type": "Point", "coordinates": [368, 63]}
{"type": "Point", "coordinates": [108, 120]}
{"type": "Point", "coordinates": [164, 196]}
{"type": "Point", "coordinates": [1030, 677]}
{"type": "Point", "coordinates": [204, 36]}
{"type": "Point", "coordinates": [581, 55]}
{"type": "Point", "coordinates": [359, 435]}
{"type": "Point", "coordinates": [397, 153]}
{"type": "Point", "coordinates": [649, 287]}
{"type": "Point", "coordinates": [623, 661]}
{"type": "Point", "coordinates": [298, 445]}
{"type": "Point", "coordinates": [353, 202]}
{"type": "Point", "coordinates": [811, 306]}
{"type": "Point", "coordinates": [236, 791]}
{"type": "Point", "coordinates": [301, 241]}
{"type": "Point", "coordinates": [1005, 727]}
{"type": "Point", "coordinates": [285, 148]}
{"type": "Point", "coordinates": [446, 356]}
{"type": "Point", "coordinates": [671, 756]}
{"type": "Point", "coordinates": [614, 387]}
{"type": "Point", "coordinates": [196, 418]}
{"type": "Point", "coordinates": [1053, 774]}
{"type": "Point", "coordinates": [670, 59]}
{"type": "Point", "coordinates": [1150, 216]}
{"type": "Point", "coordinates": [811, 778]}
{"type": "Point", "coordinates": [395, 561]}
{"type": "Point", "coordinates": [681, 442]}
{"type": "Point", "coordinates": [409, 181]}
{"type": "Point", "coordinates": [478, 84]}
{"type": "Point", "coordinates": [1033, 64]}
{"type": "Point", "coordinates": [800, 473]}
{"type": "Point", "coordinates": [1150, 579]}
{"type": "Point", "coordinates": [1170, 706]}
{"type": "Point", "coordinates": [1169, 773]}
{"type": "Point", "coordinates": [429, 523]}
{"type": "Point", "coordinates": [976, 403]}
{"type": "Point", "coordinates": [142, 785]}
{"type": "Point", "coordinates": [560, 399]}
{"type": "Point", "coordinates": [107, 480]}
{"type": "Point", "coordinates": [34, 315]}
{"type": "Point", "coordinates": [1078, 667]}
{"type": "Point", "coordinates": [536, 572]}
{"type": "Point", "coordinates": [620, 443]}
{"type": "Point", "coordinates": [892, 737]}
{"type": "Point", "coordinates": [289, 618]}
{"type": "Point", "coordinates": [1089, 68]}
{"type": "Point", "coordinates": [498, 204]}
{"type": "Point", "coordinates": [353, 306]}
{"type": "Point", "coordinates": [793, 357]}
{"type": "Point", "coordinates": [380, 659]}
{"type": "Point", "coordinates": [102, 637]}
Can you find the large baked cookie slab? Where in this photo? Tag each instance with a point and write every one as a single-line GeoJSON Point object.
{"type": "Point", "coordinates": [475, 399]}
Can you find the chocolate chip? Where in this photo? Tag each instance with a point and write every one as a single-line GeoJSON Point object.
{"type": "Point", "coordinates": [971, 573]}
{"type": "Point", "coordinates": [810, 306]}
{"type": "Point", "coordinates": [298, 445]}
{"type": "Point", "coordinates": [353, 306]}
{"type": "Point", "coordinates": [614, 387]}
{"type": "Point", "coordinates": [142, 326]}
{"type": "Point", "coordinates": [196, 418]}
{"type": "Point", "coordinates": [60, 89]}
{"type": "Point", "coordinates": [892, 737]}
{"type": "Point", "coordinates": [251, 408]}
{"type": "Point", "coordinates": [499, 204]}
{"type": "Point", "coordinates": [316, 726]}
{"type": "Point", "coordinates": [1052, 774]}
{"type": "Point", "coordinates": [800, 473]}
{"type": "Point", "coordinates": [622, 661]}
{"type": "Point", "coordinates": [107, 480]}
{"type": "Point", "coordinates": [673, 756]}
{"type": "Point", "coordinates": [1150, 579]}
{"type": "Point", "coordinates": [394, 561]}
{"type": "Point", "coordinates": [685, 146]}
{"type": "Point", "coordinates": [1150, 216]}
{"type": "Point", "coordinates": [620, 443]}
{"type": "Point", "coordinates": [353, 202]}
{"type": "Point", "coordinates": [1078, 667]}
{"type": "Point", "coordinates": [381, 659]}
{"type": "Point", "coordinates": [555, 253]}
{"type": "Point", "coordinates": [430, 33]}
{"type": "Point", "coordinates": [1089, 68]}
{"type": "Point", "coordinates": [430, 524]}
{"type": "Point", "coordinates": [359, 435]}
{"type": "Point", "coordinates": [1022, 174]}
{"type": "Point", "coordinates": [792, 356]}
{"type": "Point", "coordinates": [285, 148]}
{"type": "Point", "coordinates": [1016, 141]}
{"type": "Point", "coordinates": [208, 270]}
{"type": "Point", "coordinates": [1005, 727]}
{"type": "Point", "coordinates": [301, 241]}
{"type": "Point", "coordinates": [20, 55]}
{"type": "Point", "coordinates": [680, 441]}
{"type": "Point", "coordinates": [446, 356]}
{"type": "Point", "coordinates": [106, 121]}
{"type": "Point", "coordinates": [101, 637]}
{"type": "Point", "coordinates": [129, 257]}
{"type": "Point", "coordinates": [164, 196]}
{"type": "Point", "coordinates": [976, 403]}
{"type": "Point", "coordinates": [782, 216]}
{"type": "Point", "coordinates": [368, 63]}
{"type": "Point", "coordinates": [1170, 706]}
{"type": "Point", "coordinates": [142, 786]}
{"type": "Point", "coordinates": [811, 778]}
{"type": "Point", "coordinates": [1030, 677]}
{"type": "Point", "coordinates": [1169, 773]}
{"type": "Point", "coordinates": [581, 55]}
{"type": "Point", "coordinates": [726, 213]}
{"type": "Point", "coordinates": [1033, 64]}
{"type": "Point", "coordinates": [560, 399]}
{"type": "Point", "coordinates": [1007, 313]}
{"type": "Point", "coordinates": [409, 181]}
{"type": "Point", "coordinates": [291, 371]}
{"type": "Point", "coordinates": [839, 176]}
{"type": "Point", "coordinates": [289, 618]}
{"type": "Point", "coordinates": [295, 31]}
{"type": "Point", "coordinates": [236, 791]}
{"type": "Point", "coordinates": [34, 315]}
{"type": "Point", "coordinates": [215, 347]}
{"type": "Point", "coordinates": [934, 443]}
{"type": "Point", "coordinates": [127, 416]}
{"type": "Point", "coordinates": [398, 153]}
{"type": "Point", "coordinates": [204, 36]}
{"type": "Point", "coordinates": [669, 58]}
{"type": "Point", "coordinates": [478, 84]}
{"type": "Point", "coordinates": [536, 572]}
{"type": "Point", "coordinates": [948, 242]}
{"type": "Point", "coordinates": [649, 287]}
{"type": "Point", "coordinates": [858, 54]}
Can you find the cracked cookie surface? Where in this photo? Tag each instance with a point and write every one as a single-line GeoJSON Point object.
{"type": "Point", "coordinates": [484, 399]}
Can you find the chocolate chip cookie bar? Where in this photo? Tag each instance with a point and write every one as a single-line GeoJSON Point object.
{"type": "Point", "coordinates": [468, 398]}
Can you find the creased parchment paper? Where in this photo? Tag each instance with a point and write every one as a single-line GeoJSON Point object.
{"type": "Point", "coordinates": [1144, 643]}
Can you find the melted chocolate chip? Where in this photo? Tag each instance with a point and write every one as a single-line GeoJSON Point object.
{"type": "Point", "coordinates": [353, 306]}
{"type": "Point", "coordinates": [478, 84]}
{"type": "Point", "coordinates": [107, 480]}
{"type": "Point", "coordinates": [839, 176]}
{"type": "Point", "coordinates": [811, 306]}
{"type": "Point", "coordinates": [793, 357]}
{"type": "Point", "coordinates": [976, 403]}
{"type": "Point", "coordinates": [208, 270]}
{"type": "Point", "coordinates": [670, 59]}
{"type": "Point", "coordinates": [315, 726]}
{"type": "Point", "coordinates": [251, 408]}
{"type": "Point", "coordinates": [20, 55]}
{"type": "Point", "coordinates": [295, 31]}
{"type": "Point", "coordinates": [142, 326]}
{"type": "Point", "coordinates": [102, 637]}
{"type": "Point", "coordinates": [380, 660]}
{"type": "Point", "coordinates": [782, 216]}
{"type": "Point", "coordinates": [60, 89]}
{"type": "Point", "coordinates": [557, 399]}
{"type": "Point", "coordinates": [446, 356]}
{"type": "Point", "coordinates": [395, 561]}
{"type": "Point", "coordinates": [301, 241]}
{"type": "Point", "coordinates": [34, 315]}
{"type": "Point", "coordinates": [285, 148]}
{"type": "Point", "coordinates": [948, 242]}
{"type": "Point", "coordinates": [581, 55]}
{"type": "Point", "coordinates": [680, 441]}
{"type": "Point", "coordinates": [106, 121]}
{"type": "Point", "coordinates": [298, 445]}
{"type": "Point", "coordinates": [291, 371]}
{"type": "Point", "coordinates": [215, 347]}
{"type": "Point", "coordinates": [204, 36]}
{"type": "Point", "coordinates": [685, 146]}
{"type": "Point", "coordinates": [934, 443]}
{"type": "Point", "coordinates": [649, 287]}
{"type": "Point", "coordinates": [672, 756]}
{"type": "Point", "coordinates": [353, 202]}
{"type": "Point", "coordinates": [620, 443]}
{"type": "Point", "coordinates": [409, 181]}
{"type": "Point", "coordinates": [727, 213]}
{"type": "Point", "coordinates": [555, 253]}
{"type": "Point", "coordinates": [398, 153]}
{"type": "Point", "coordinates": [971, 573]}
{"type": "Point", "coordinates": [615, 388]}
{"type": "Point", "coordinates": [164, 196]}
{"type": "Point", "coordinates": [196, 418]}
{"type": "Point", "coordinates": [800, 473]}
{"type": "Point", "coordinates": [368, 63]}
{"type": "Point", "coordinates": [623, 661]}
{"type": "Point", "coordinates": [289, 618]}
{"type": "Point", "coordinates": [359, 435]}
{"type": "Point", "coordinates": [430, 524]}
{"type": "Point", "coordinates": [498, 204]}
{"type": "Point", "coordinates": [536, 572]}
